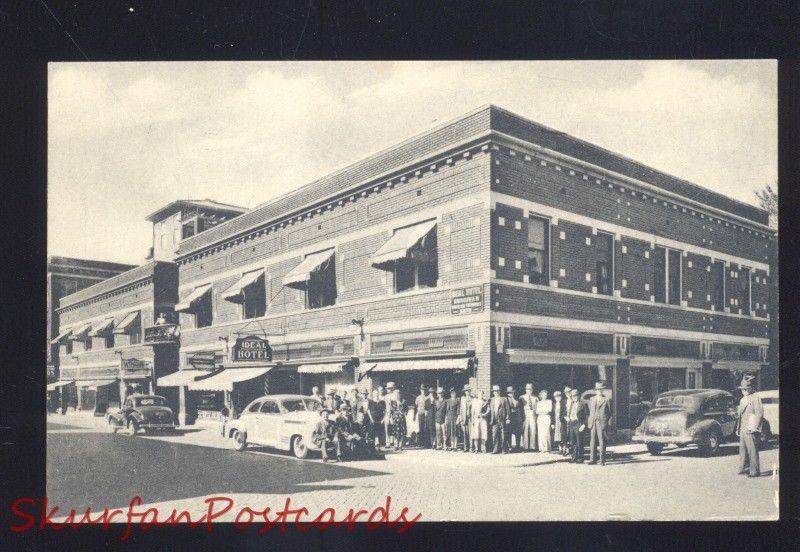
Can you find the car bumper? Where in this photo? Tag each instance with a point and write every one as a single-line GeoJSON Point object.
{"type": "Point", "coordinates": [664, 439]}
{"type": "Point", "coordinates": [157, 426]}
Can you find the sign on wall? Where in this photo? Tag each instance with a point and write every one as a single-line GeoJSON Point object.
{"type": "Point", "coordinates": [251, 348]}
{"type": "Point", "coordinates": [163, 333]}
{"type": "Point", "coordinates": [467, 300]}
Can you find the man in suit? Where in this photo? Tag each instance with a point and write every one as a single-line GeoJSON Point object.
{"type": "Point", "coordinates": [387, 414]}
{"type": "Point", "coordinates": [499, 419]}
{"type": "Point", "coordinates": [420, 414]}
{"type": "Point", "coordinates": [333, 401]}
{"type": "Point", "coordinates": [440, 414]}
{"type": "Point", "coordinates": [430, 417]}
{"type": "Point", "coordinates": [751, 416]}
{"type": "Point", "coordinates": [464, 419]}
{"type": "Point", "coordinates": [376, 406]}
{"type": "Point", "coordinates": [568, 401]}
{"type": "Point", "coordinates": [451, 420]}
{"type": "Point", "coordinates": [326, 436]}
{"type": "Point", "coordinates": [577, 424]}
{"type": "Point", "coordinates": [515, 425]}
{"type": "Point", "coordinates": [599, 417]}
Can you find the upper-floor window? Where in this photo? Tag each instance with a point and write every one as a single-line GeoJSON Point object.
{"type": "Point", "coordinates": [539, 250]}
{"type": "Point", "coordinates": [744, 290]}
{"type": "Point", "coordinates": [604, 271]}
{"type": "Point", "coordinates": [203, 313]}
{"type": "Point", "coordinates": [411, 254]}
{"type": "Point", "coordinates": [716, 283]}
{"type": "Point", "coordinates": [667, 268]}
{"type": "Point", "coordinates": [187, 230]}
{"type": "Point", "coordinates": [87, 343]}
{"type": "Point", "coordinates": [321, 288]}
{"type": "Point", "coordinates": [250, 291]}
{"type": "Point", "coordinates": [109, 340]}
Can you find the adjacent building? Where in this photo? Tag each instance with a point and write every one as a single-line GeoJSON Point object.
{"type": "Point", "coordinates": [488, 250]}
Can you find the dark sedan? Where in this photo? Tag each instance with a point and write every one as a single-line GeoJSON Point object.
{"type": "Point", "coordinates": [145, 412]}
{"type": "Point", "coordinates": [702, 417]}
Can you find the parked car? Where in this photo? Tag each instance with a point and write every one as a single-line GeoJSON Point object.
{"type": "Point", "coordinates": [702, 417]}
{"type": "Point", "coordinates": [637, 407]}
{"type": "Point", "coordinates": [145, 412]}
{"type": "Point", "coordinates": [284, 422]}
{"type": "Point", "coordinates": [769, 399]}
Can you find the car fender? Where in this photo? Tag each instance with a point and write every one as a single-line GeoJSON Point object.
{"type": "Point", "coordinates": [702, 428]}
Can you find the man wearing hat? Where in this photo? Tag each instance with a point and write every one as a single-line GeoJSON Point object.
{"type": "Point", "coordinates": [515, 425]}
{"type": "Point", "coordinates": [430, 417]}
{"type": "Point", "coordinates": [577, 423]}
{"type": "Point", "coordinates": [451, 420]}
{"type": "Point", "coordinates": [559, 424]}
{"type": "Point", "coordinates": [528, 406]}
{"type": "Point", "coordinates": [387, 414]}
{"type": "Point", "coordinates": [333, 401]}
{"type": "Point", "coordinates": [440, 414]}
{"type": "Point", "coordinates": [499, 418]}
{"type": "Point", "coordinates": [326, 437]}
{"type": "Point", "coordinates": [567, 403]}
{"type": "Point", "coordinates": [599, 416]}
{"type": "Point", "coordinates": [464, 419]}
{"type": "Point", "coordinates": [421, 406]}
{"type": "Point", "coordinates": [751, 416]}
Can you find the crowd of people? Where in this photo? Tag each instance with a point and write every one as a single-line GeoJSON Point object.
{"type": "Point", "coordinates": [363, 422]}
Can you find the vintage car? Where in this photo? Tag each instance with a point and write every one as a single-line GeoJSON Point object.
{"type": "Point", "coordinates": [702, 417]}
{"type": "Point", "coordinates": [145, 412]}
{"type": "Point", "coordinates": [284, 422]}
{"type": "Point", "coordinates": [637, 407]}
{"type": "Point", "coordinates": [769, 400]}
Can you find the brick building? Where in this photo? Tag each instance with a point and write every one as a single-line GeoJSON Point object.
{"type": "Point", "coordinates": [66, 275]}
{"type": "Point", "coordinates": [489, 249]}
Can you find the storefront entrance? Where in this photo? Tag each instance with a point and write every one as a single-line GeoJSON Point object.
{"type": "Point", "coordinates": [649, 382]}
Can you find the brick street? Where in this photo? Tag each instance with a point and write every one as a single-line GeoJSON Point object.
{"type": "Point", "coordinates": [679, 484]}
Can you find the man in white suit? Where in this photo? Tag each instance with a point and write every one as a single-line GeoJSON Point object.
{"type": "Point", "coordinates": [751, 416]}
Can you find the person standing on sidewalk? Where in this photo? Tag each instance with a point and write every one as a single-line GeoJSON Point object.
{"type": "Point", "coordinates": [528, 405]}
{"type": "Point", "coordinates": [567, 403]}
{"type": "Point", "coordinates": [499, 419]}
{"type": "Point", "coordinates": [515, 425]}
{"type": "Point", "coordinates": [599, 416]}
{"type": "Point", "coordinates": [451, 420]}
{"type": "Point", "coordinates": [421, 404]}
{"type": "Point", "coordinates": [464, 420]}
{"type": "Point", "coordinates": [544, 412]}
{"type": "Point", "coordinates": [751, 417]}
{"type": "Point", "coordinates": [559, 426]}
{"type": "Point", "coordinates": [440, 413]}
{"type": "Point", "coordinates": [376, 411]}
{"type": "Point", "coordinates": [577, 424]}
{"type": "Point", "coordinates": [478, 430]}
{"type": "Point", "coordinates": [387, 414]}
{"type": "Point", "coordinates": [430, 417]}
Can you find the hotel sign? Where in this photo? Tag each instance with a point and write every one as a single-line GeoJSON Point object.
{"type": "Point", "coordinates": [467, 300]}
{"type": "Point", "coordinates": [251, 348]}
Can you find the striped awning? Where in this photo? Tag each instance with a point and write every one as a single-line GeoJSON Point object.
{"type": "Point", "coordinates": [56, 384]}
{"type": "Point", "coordinates": [102, 328]}
{"type": "Point", "coordinates": [401, 242]}
{"type": "Point", "coordinates": [737, 365]}
{"type": "Point", "coordinates": [127, 322]}
{"type": "Point", "coordinates": [329, 368]}
{"type": "Point", "coordinates": [94, 384]}
{"type": "Point", "coordinates": [81, 332]}
{"type": "Point", "coordinates": [300, 274]}
{"type": "Point", "coordinates": [198, 292]}
{"type": "Point", "coordinates": [645, 361]}
{"type": "Point", "coordinates": [224, 380]}
{"type": "Point", "coordinates": [419, 364]}
{"type": "Point", "coordinates": [234, 293]}
{"type": "Point", "coordinates": [61, 337]}
{"type": "Point", "coordinates": [180, 378]}
{"type": "Point", "coordinates": [531, 356]}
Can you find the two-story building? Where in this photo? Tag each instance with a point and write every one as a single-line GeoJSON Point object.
{"type": "Point", "coordinates": [489, 249]}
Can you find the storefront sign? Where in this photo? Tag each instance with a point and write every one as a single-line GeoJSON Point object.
{"type": "Point", "coordinates": [163, 333]}
{"type": "Point", "coordinates": [133, 368]}
{"type": "Point", "coordinates": [467, 300]}
{"type": "Point", "coordinates": [202, 360]}
{"type": "Point", "coordinates": [251, 348]}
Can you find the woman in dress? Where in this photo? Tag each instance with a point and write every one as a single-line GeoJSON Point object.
{"type": "Point", "coordinates": [412, 426]}
{"type": "Point", "coordinates": [544, 409]}
{"type": "Point", "coordinates": [558, 425]}
{"type": "Point", "coordinates": [478, 427]}
{"type": "Point", "coordinates": [398, 420]}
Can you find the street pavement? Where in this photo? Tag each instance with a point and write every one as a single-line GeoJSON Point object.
{"type": "Point", "coordinates": [91, 467]}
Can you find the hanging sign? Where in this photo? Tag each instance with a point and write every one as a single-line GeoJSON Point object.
{"type": "Point", "coordinates": [251, 348]}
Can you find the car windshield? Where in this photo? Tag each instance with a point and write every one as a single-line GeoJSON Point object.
{"type": "Point", "coordinates": [299, 405]}
{"type": "Point", "coordinates": [686, 401]}
{"type": "Point", "coordinates": [150, 401]}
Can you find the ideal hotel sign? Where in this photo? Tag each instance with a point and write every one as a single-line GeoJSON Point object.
{"type": "Point", "coordinates": [251, 348]}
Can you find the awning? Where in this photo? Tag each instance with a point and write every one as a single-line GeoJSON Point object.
{"type": "Point", "coordinates": [223, 381]}
{"type": "Point", "coordinates": [737, 365]}
{"type": "Point", "coordinates": [127, 322]}
{"type": "Point", "coordinates": [81, 332]}
{"type": "Point", "coordinates": [330, 368]}
{"type": "Point", "coordinates": [234, 293]}
{"type": "Point", "coordinates": [529, 356]}
{"type": "Point", "coordinates": [300, 274]}
{"type": "Point", "coordinates": [102, 328]}
{"type": "Point", "coordinates": [198, 292]}
{"type": "Point", "coordinates": [56, 384]}
{"type": "Point", "coordinates": [94, 384]}
{"type": "Point", "coordinates": [645, 361]}
{"type": "Point", "coordinates": [179, 378]}
{"type": "Point", "coordinates": [419, 364]}
{"type": "Point", "coordinates": [61, 337]}
{"type": "Point", "coordinates": [402, 241]}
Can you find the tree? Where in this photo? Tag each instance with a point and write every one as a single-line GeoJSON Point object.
{"type": "Point", "coordinates": [768, 200]}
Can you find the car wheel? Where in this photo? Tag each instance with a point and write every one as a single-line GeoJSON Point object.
{"type": "Point", "coordinates": [655, 448]}
{"type": "Point", "coordinates": [712, 443]}
{"type": "Point", "coordinates": [299, 447]}
{"type": "Point", "coordinates": [132, 427]}
{"type": "Point", "coordinates": [239, 441]}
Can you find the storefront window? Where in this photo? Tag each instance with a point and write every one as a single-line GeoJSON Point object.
{"type": "Point", "coordinates": [321, 286]}
{"type": "Point", "coordinates": [539, 251]}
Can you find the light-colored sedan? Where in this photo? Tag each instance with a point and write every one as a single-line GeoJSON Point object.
{"type": "Point", "coordinates": [769, 399]}
{"type": "Point", "coordinates": [284, 422]}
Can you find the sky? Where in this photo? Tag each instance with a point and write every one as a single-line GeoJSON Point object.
{"type": "Point", "coordinates": [127, 138]}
